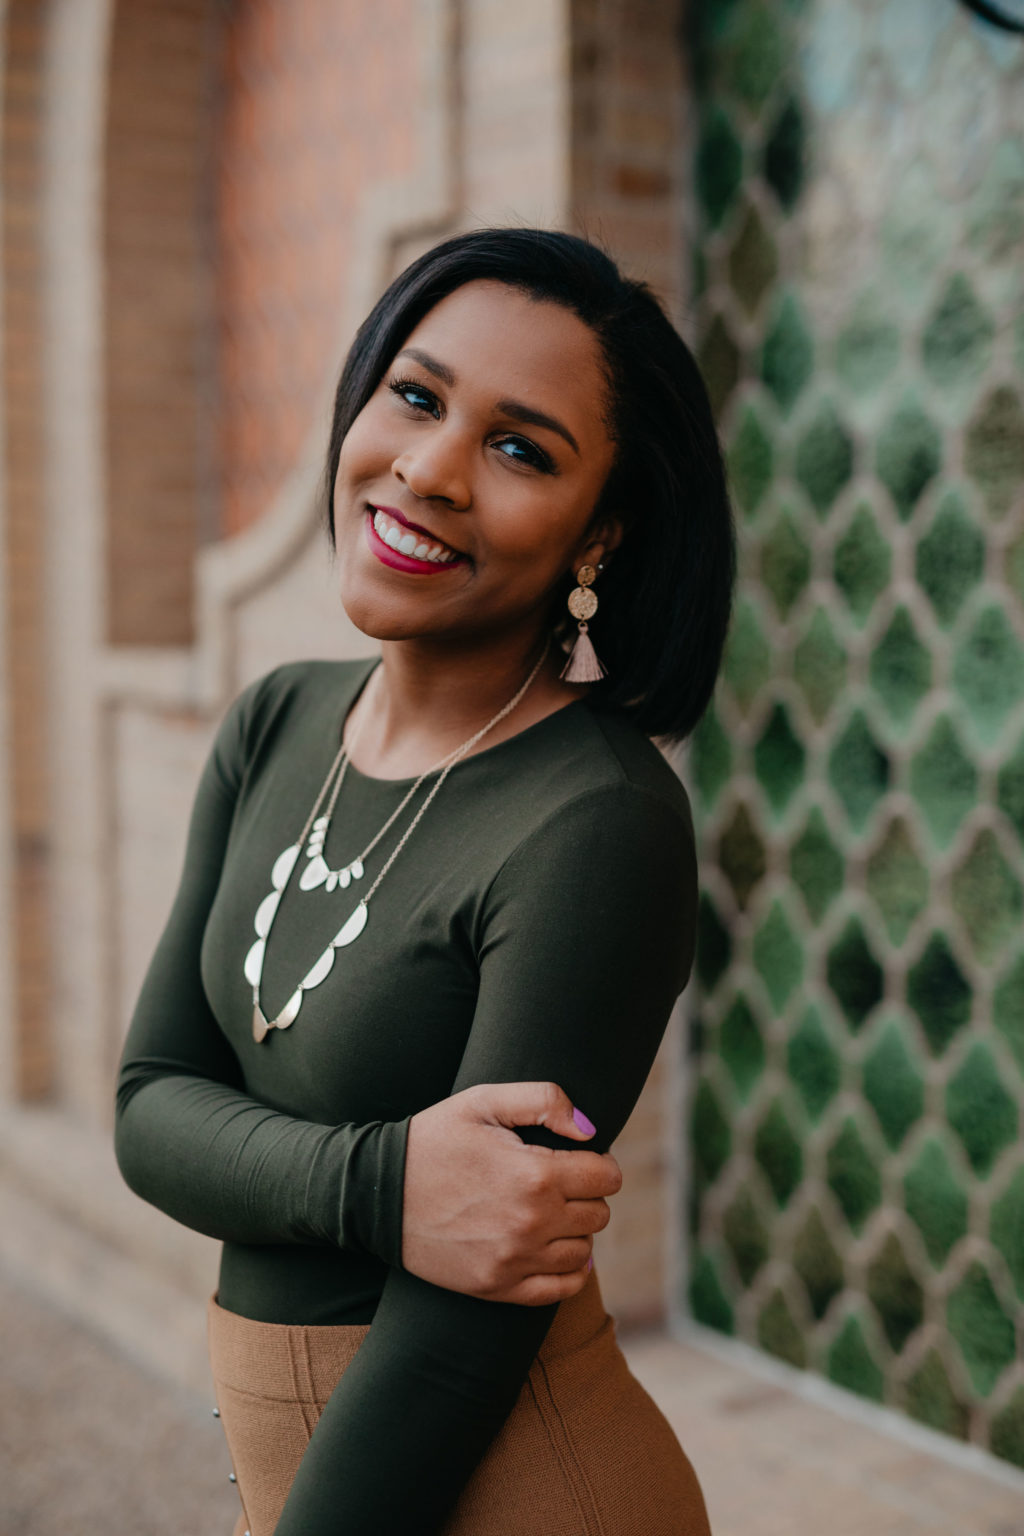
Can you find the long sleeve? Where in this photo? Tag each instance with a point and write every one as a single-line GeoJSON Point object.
{"type": "Point", "coordinates": [188, 1138]}
{"type": "Point", "coordinates": [586, 939]}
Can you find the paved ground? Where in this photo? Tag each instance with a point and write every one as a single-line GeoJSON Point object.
{"type": "Point", "coordinates": [90, 1445]}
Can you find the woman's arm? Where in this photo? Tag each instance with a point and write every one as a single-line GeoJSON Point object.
{"type": "Point", "coordinates": [191, 1141]}
{"type": "Point", "coordinates": [589, 938]}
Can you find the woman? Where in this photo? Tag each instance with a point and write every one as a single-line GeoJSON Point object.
{"type": "Point", "coordinates": [407, 880]}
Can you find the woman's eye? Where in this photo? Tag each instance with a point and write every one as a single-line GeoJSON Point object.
{"type": "Point", "coordinates": [531, 454]}
{"type": "Point", "coordinates": [415, 395]}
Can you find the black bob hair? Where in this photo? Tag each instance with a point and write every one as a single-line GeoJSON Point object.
{"type": "Point", "coordinates": [666, 592]}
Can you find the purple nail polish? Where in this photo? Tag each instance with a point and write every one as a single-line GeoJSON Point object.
{"type": "Point", "coordinates": [583, 1123]}
{"type": "Point", "coordinates": [590, 1264]}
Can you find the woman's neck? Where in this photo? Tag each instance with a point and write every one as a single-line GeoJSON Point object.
{"type": "Point", "coordinates": [426, 698]}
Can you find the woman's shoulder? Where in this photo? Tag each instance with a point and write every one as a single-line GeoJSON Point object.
{"type": "Point", "coordinates": [592, 767]}
{"type": "Point", "coordinates": [297, 695]}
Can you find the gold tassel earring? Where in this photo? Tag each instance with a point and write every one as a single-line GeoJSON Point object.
{"type": "Point", "coordinates": [583, 665]}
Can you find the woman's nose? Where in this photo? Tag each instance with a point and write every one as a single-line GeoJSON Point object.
{"type": "Point", "coordinates": [436, 467]}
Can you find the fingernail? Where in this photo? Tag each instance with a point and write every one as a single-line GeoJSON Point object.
{"type": "Point", "coordinates": [583, 1123]}
{"type": "Point", "coordinates": [590, 1264]}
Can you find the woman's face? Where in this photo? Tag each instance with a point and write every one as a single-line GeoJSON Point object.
{"type": "Point", "coordinates": [466, 485]}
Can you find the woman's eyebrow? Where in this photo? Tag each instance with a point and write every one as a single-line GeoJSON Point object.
{"type": "Point", "coordinates": [514, 408]}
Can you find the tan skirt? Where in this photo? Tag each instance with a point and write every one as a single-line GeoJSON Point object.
{"type": "Point", "coordinates": [584, 1452]}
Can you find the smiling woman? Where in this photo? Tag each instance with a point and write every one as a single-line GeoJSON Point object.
{"type": "Point", "coordinates": [372, 1106]}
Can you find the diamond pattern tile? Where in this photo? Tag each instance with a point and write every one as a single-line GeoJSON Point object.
{"type": "Point", "coordinates": [858, 1196]}
{"type": "Point", "coordinates": [863, 563]}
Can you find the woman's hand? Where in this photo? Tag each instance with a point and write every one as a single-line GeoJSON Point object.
{"type": "Point", "coordinates": [488, 1215]}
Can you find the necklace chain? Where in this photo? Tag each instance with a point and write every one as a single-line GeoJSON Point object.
{"type": "Point", "coordinates": [356, 922]}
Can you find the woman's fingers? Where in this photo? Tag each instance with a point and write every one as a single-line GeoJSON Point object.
{"type": "Point", "coordinates": [512, 1104]}
{"type": "Point", "coordinates": [543, 1290]}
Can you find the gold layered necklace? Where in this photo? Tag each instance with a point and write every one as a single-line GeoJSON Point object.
{"type": "Point", "coordinates": [317, 872]}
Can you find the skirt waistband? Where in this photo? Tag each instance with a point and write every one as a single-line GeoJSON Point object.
{"type": "Point", "coordinates": [303, 1361]}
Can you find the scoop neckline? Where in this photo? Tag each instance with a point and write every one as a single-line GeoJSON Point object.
{"type": "Point", "coordinates": [487, 752]}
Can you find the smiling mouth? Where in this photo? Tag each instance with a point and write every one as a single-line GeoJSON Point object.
{"type": "Point", "coordinates": [408, 548]}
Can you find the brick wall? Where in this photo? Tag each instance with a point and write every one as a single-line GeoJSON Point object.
{"type": "Point", "coordinates": [319, 105]}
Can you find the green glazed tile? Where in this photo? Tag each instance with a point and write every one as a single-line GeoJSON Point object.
{"type": "Point", "coordinates": [981, 1328]}
{"type": "Point", "coordinates": [711, 1137]}
{"type": "Point", "coordinates": [779, 760]}
{"type": "Point", "coordinates": [858, 770]}
{"type": "Point", "coordinates": [778, 957]}
{"type": "Point", "coordinates": [709, 1303]}
{"type": "Point", "coordinates": [988, 671]}
{"type": "Point", "coordinates": [741, 855]}
{"type": "Point", "coordinates": [1007, 1228]}
{"type": "Point", "coordinates": [753, 59]}
{"type": "Point", "coordinates": [710, 757]}
{"type": "Point", "coordinates": [893, 1086]}
{"type": "Point", "coordinates": [895, 1293]}
{"type": "Point", "coordinates": [914, 239]}
{"type": "Point", "coordinates": [778, 1154]}
{"type": "Point", "coordinates": [824, 458]}
{"type": "Point", "coordinates": [863, 562]}
{"type": "Point", "coordinates": [987, 896]}
{"type": "Point", "coordinates": [745, 1235]}
{"type": "Point", "coordinates": [867, 348]}
{"type": "Point", "coordinates": [851, 1364]}
{"type": "Point", "coordinates": [901, 668]}
{"type": "Point", "coordinates": [818, 1264]}
{"type": "Point", "coordinates": [785, 562]}
{"type": "Point", "coordinates": [1014, 567]}
{"type": "Point", "coordinates": [898, 880]}
{"type": "Point", "coordinates": [753, 263]}
{"type": "Point", "coordinates": [853, 1177]}
{"type": "Point", "coordinates": [814, 1064]}
{"type": "Point", "coordinates": [1008, 1009]}
{"type": "Point", "coordinates": [714, 944]}
{"type": "Point", "coordinates": [909, 456]}
{"type": "Point", "coordinates": [750, 459]}
{"type": "Point", "coordinates": [939, 993]}
{"type": "Point", "coordinates": [981, 1111]}
{"type": "Point", "coordinates": [718, 358]}
{"type": "Point", "coordinates": [816, 866]}
{"type": "Point", "coordinates": [1010, 788]}
{"type": "Point", "coordinates": [741, 1047]}
{"type": "Point", "coordinates": [819, 665]}
{"type": "Point", "coordinates": [1006, 1432]}
{"type": "Point", "coordinates": [778, 1333]}
{"type": "Point", "coordinates": [747, 663]}
{"type": "Point", "coordinates": [950, 559]}
{"type": "Point", "coordinates": [994, 449]}
{"type": "Point", "coordinates": [785, 152]}
{"type": "Point", "coordinates": [957, 341]}
{"type": "Point", "coordinates": [944, 781]}
{"type": "Point", "coordinates": [930, 1398]}
{"type": "Point", "coordinates": [854, 974]}
{"type": "Point", "coordinates": [719, 169]}
{"type": "Point", "coordinates": [996, 229]}
{"type": "Point", "coordinates": [935, 1200]}
{"type": "Point", "coordinates": [1018, 342]}
{"type": "Point", "coordinates": [787, 358]}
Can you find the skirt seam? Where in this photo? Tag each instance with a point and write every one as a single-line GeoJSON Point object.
{"type": "Point", "coordinates": [566, 1453]}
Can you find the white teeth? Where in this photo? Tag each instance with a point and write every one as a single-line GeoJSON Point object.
{"type": "Point", "coordinates": [406, 543]}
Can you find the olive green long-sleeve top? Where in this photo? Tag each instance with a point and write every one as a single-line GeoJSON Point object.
{"type": "Point", "coordinates": [537, 926]}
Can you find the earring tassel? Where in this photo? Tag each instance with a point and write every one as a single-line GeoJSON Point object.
{"type": "Point", "coordinates": [583, 665]}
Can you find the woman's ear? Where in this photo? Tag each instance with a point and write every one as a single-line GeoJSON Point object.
{"type": "Point", "coordinates": [600, 542]}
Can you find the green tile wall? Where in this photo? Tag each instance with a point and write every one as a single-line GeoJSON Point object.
{"type": "Point", "coordinates": [857, 1206]}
